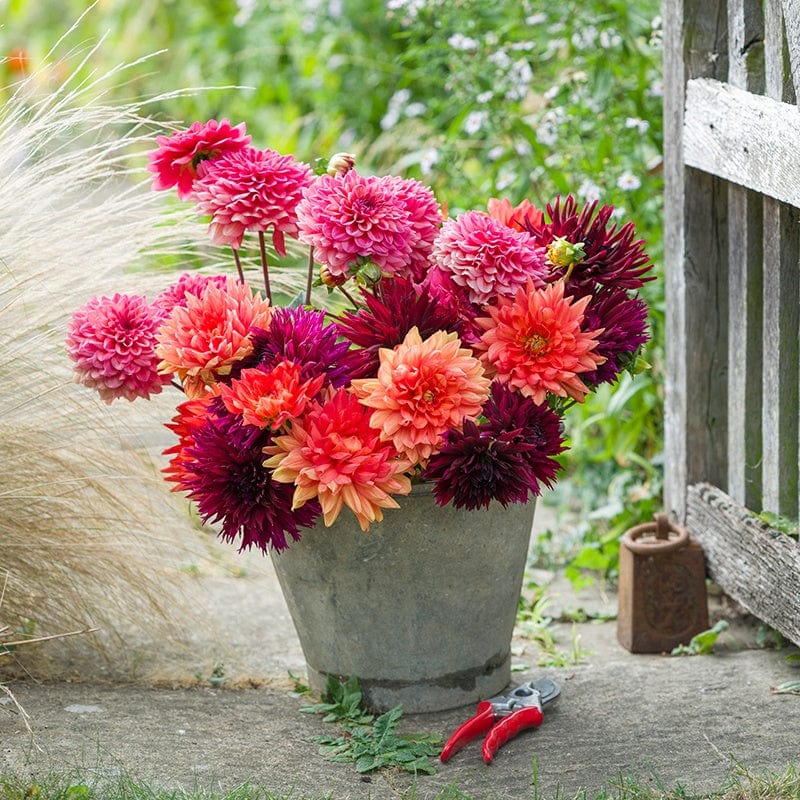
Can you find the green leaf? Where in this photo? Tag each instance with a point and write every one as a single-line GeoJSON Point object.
{"type": "Point", "coordinates": [791, 687]}
{"type": "Point", "coordinates": [703, 643]}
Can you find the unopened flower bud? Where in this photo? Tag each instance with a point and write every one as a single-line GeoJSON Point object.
{"type": "Point", "coordinates": [341, 163]}
{"type": "Point", "coordinates": [330, 280]}
{"type": "Point", "coordinates": [368, 274]}
{"type": "Point", "coordinates": [563, 253]}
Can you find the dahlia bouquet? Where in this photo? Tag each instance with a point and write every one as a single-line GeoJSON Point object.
{"type": "Point", "coordinates": [463, 341]}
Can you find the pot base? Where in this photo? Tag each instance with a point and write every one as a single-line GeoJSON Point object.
{"type": "Point", "coordinates": [420, 696]}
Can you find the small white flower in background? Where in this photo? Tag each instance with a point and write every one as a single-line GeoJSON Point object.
{"type": "Point", "coordinates": [523, 149]}
{"type": "Point", "coordinates": [552, 92]}
{"type": "Point", "coordinates": [585, 39]}
{"type": "Point", "coordinates": [555, 115]}
{"type": "Point", "coordinates": [335, 9]}
{"type": "Point", "coordinates": [656, 89]}
{"type": "Point", "coordinates": [588, 191]}
{"type": "Point", "coordinates": [485, 97]}
{"type": "Point", "coordinates": [245, 12]}
{"type": "Point", "coordinates": [657, 32]}
{"type": "Point", "coordinates": [394, 107]}
{"type": "Point", "coordinates": [628, 182]}
{"type": "Point", "coordinates": [642, 125]}
{"type": "Point", "coordinates": [496, 152]}
{"type": "Point", "coordinates": [536, 19]}
{"type": "Point", "coordinates": [415, 109]}
{"type": "Point", "coordinates": [609, 39]}
{"type": "Point", "coordinates": [500, 59]}
{"type": "Point", "coordinates": [474, 121]}
{"type": "Point", "coordinates": [504, 180]}
{"type": "Point", "coordinates": [553, 46]}
{"type": "Point", "coordinates": [653, 163]}
{"type": "Point", "coordinates": [460, 42]}
{"type": "Point", "coordinates": [521, 71]}
{"type": "Point", "coordinates": [547, 133]}
{"type": "Point", "coordinates": [618, 212]}
{"type": "Point", "coordinates": [429, 159]}
{"type": "Point", "coordinates": [411, 7]}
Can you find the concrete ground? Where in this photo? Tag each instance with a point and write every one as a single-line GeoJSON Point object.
{"type": "Point", "coordinates": [149, 711]}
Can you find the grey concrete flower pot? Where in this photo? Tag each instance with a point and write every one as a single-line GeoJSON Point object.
{"type": "Point", "coordinates": [421, 608]}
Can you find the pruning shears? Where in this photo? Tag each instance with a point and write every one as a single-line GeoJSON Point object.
{"type": "Point", "coordinates": [504, 717]}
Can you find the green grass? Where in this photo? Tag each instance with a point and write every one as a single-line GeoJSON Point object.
{"type": "Point", "coordinates": [741, 785]}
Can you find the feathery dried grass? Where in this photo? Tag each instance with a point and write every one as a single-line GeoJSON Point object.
{"type": "Point", "coordinates": [87, 528]}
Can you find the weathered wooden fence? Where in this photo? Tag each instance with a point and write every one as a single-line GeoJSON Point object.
{"type": "Point", "coordinates": [732, 252]}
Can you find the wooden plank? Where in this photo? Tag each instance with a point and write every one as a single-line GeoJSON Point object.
{"type": "Point", "coordinates": [675, 285]}
{"type": "Point", "coordinates": [695, 245]}
{"type": "Point", "coordinates": [754, 564]}
{"type": "Point", "coordinates": [746, 44]}
{"type": "Point", "coordinates": [744, 138]}
{"type": "Point", "coordinates": [745, 251]}
{"type": "Point", "coordinates": [791, 16]}
{"type": "Point", "coordinates": [781, 329]}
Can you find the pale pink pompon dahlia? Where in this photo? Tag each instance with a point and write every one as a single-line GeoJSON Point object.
{"type": "Point", "coordinates": [353, 218]}
{"type": "Point", "coordinates": [203, 339]}
{"type": "Point", "coordinates": [534, 343]}
{"type": "Point", "coordinates": [112, 342]}
{"type": "Point", "coordinates": [487, 257]}
{"type": "Point", "coordinates": [251, 190]}
{"type": "Point", "coordinates": [334, 454]}
{"type": "Point", "coordinates": [423, 389]}
{"type": "Point", "coordinates": [178, 158]}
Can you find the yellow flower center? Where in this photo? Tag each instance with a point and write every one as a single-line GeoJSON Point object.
{"type": "Point", "coordinates": [535, 344]}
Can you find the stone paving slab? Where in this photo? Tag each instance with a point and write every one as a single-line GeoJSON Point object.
{"type": "Point", "coordinates": [681, 719]}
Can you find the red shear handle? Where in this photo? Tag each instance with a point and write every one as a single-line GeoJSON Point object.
{"type": "Point", "coordinates": [475, 726]}
{"type": "Point", "coordinates": [508, 728]}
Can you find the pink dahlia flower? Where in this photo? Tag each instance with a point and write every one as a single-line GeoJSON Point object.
{"type": "Point", "coordinates": [351, 218]}
{"type": "Point", "coordinates": [251, 190]}
{"type": "Point", "coordinates": [112, 341]}
{"type": "Point", "coordinates": [426, 219]}
{"type": "Point", "coordinates": [335, 455]}
{"type": "Point", "coordinates": [204, 339]}
{"type": "Point", "coordinates": [534, 343]}
{"type": "Point", "coordinates": [487, 257]}
{"type": "Point", "coordinates": [188, 283]}
{"type": "Point", "coordinates": [423, 389]}
{"type": "Point", "coordinates": [270, 398]}
{"type": "Point", "coordinates": [178, 158]}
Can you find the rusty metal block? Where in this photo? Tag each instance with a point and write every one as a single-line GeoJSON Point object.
{"type": "Point", "coordinates": [662, 590]}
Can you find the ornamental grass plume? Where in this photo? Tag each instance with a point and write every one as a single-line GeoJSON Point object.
{"type": "Point", "coordinates": [81, 520]}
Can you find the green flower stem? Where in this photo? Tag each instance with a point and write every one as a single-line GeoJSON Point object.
{"type": "Point", "coordinates": [310, 274]}
{"type": "Point", "coordinates": [262, 244]}
{"type": "Point", "coordinates": [238, 264]}
{"type": "Point", "coordinates": [348, 296]}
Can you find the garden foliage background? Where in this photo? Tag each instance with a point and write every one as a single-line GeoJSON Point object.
{"type": "Point", "coordinates": [514, 98]}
